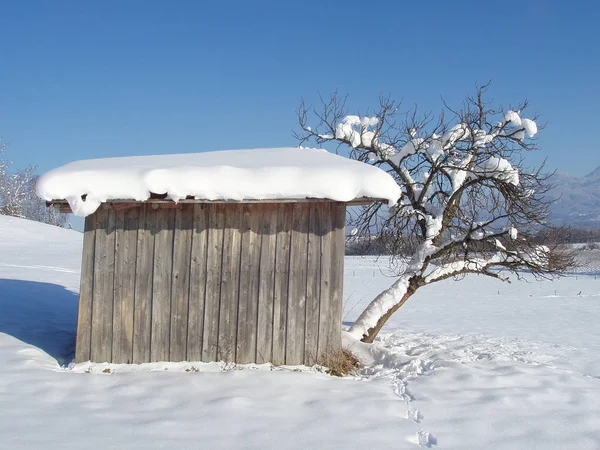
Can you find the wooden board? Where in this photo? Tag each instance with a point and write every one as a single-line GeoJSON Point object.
{"type": "Point", "coordinates": [325, 307]}
{"type": "Point", "coordinates": [266, 288]}
{"type": "Point", "coordinates": [230, 270]}
{"type": "Point", "coordinates": [104, 268]}
{"type": "Point", "coordinates": [197, 283]}
{"type": "Point", "coordinates": [297, 286]}
{"type": "Point", "coordinates": [63, 205]}
{"type": "Point", "coordinates": [337, 274]}
{"type": "Point", "coordinates": [144, 269]}
{"type": "Point", "coordinates": [281, 277]}
{"type": "Point", "coordinates": [216, 220]}
{"type": "Point", "coordinates": [126, 227]}
{"type": "Point", "coordinates": [180, 282]}
{"type": "Point", "coordinates": [84, 311]}
{"type": "Point", "coordinates": [249, 282]}
{"type": "Point", "coordinates": [161, 286]}
{"type": "Point", "coordinates": [313, 285]}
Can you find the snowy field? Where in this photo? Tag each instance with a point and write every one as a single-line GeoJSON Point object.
{"type": "Point", "coordinates": [475, 364]}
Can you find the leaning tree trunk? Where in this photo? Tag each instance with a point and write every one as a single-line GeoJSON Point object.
{"type": "Point", "coordinates": [414, 282]}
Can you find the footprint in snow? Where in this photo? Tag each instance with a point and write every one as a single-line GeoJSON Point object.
{"type": "Point", "coordinates": [424, 439]}
{"type": "Point", "coordinates": [414, 415]}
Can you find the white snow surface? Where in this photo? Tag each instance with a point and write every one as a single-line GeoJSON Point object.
{"type": "Point", "coordinates": [471, 364]}
{"type": "Point", "coordinates": [274, 173]}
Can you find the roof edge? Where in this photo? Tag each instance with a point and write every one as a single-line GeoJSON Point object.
{"type": "Point", "coordinates": [64, 206]}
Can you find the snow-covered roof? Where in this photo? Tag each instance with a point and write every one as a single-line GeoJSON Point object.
{"type": "Point", "coordinates": [236, 175]}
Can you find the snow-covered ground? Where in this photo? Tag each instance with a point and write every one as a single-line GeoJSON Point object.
{"type": "Point", "coordinates": [464, 365]}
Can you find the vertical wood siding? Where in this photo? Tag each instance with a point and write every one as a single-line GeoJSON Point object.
{"type": "Point", "coordinates": [197, 282]}
{"type": "Point", "coordinates": [252, 282]}
{"type": "Point", "coordinates": [142, 318]}
{"type": "Point", "coordinates": [103, 286]}
{"type": "Point", "coordinates": [83, 342]}
{"type": "Point", "coordinates": [126, 227]}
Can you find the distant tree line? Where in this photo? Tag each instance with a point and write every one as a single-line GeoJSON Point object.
{"type": "Point", "coordinates": [570, 235]}
{"type": "Point", "coordinates": [18, 197]}
{"type": "Point", "coordinates": [378, 244]}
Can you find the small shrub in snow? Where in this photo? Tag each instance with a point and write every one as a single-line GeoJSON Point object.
{"type": "Point", "coordinates": [340, 363]}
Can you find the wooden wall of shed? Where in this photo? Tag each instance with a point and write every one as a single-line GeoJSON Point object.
{"type": "Point", "coordinates": [251, 282]}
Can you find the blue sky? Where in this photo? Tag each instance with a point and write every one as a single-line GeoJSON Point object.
{"type": "Point", "coordinates": [98, 79]}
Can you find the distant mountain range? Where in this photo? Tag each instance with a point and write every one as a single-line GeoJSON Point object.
{"type": "Point", "coordinates": [578, 201]}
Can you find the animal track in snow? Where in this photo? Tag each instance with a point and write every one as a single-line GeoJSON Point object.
{"type": "Point", "coordinates": [414, 415]}
{"type": "Point", "coordinates": [424, 439]}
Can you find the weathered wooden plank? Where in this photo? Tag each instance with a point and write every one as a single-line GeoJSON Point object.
{"type": "Point", "coordinates": [216, 220]}
{"type": "Point", "coordinates": [84, 312]}
{"type": "Point", "coordinates": [127, 223]}
{"type": "Point", "coordinates": [161, 285]}
{"type": "Point", "coordinates": [297, 286]}
{"type": "Point", "coordinates": [281, 277]}
{"type": "Point", "coordinates": [104, 267]}
{"type": "Point", "coordinates": [313, 284]}
{"type": "Point", "coordinates": [180, 284]}
{"type": "Point", "coordinates": [249, 283]}
{"type": "Point", "coordinates": [119, 291]}
{"type": "Point", "coordinates": [230, 270]}
{"type": "Point", "coordinates": [264, 334]}
{"type": "Point", "coordinates": [197, 283]}
{"type": "Point", "coordinates": [325, 309]}
{"type": "Point", "coordinates": [242, 351]}
{"type": "Point", "coordinates": [144, 268]}
{"type": "Point", "coordinates": [337, 275]}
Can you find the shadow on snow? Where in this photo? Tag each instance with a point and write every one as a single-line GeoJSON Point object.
{"type": "Point", "coordinates": [40, 314]}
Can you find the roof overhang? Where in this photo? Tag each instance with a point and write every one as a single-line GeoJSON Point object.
{"type": "Point", "coordinates": [64, 207]}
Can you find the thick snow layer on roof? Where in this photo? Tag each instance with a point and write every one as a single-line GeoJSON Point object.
{"type": "Point", "coordinates": [276, 173]}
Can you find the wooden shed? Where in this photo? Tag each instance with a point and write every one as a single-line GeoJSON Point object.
{"type": "Point", "coordinates": [205, 276]}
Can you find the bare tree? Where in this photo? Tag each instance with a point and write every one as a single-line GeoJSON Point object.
{"type": "Point", "coordinates": [16, 192]}
{"type": "Point", "coordinates": [468, 205]}
{"type": "Point", "coordinates": [18, 197]}
{"type": "Point", "coordinates": [3, 164]}
{"type": "Point", "coordinates": [36, 209]}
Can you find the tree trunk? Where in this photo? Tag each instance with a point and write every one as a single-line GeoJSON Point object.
{"type": "Point", "coordinates": [372, 333]}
